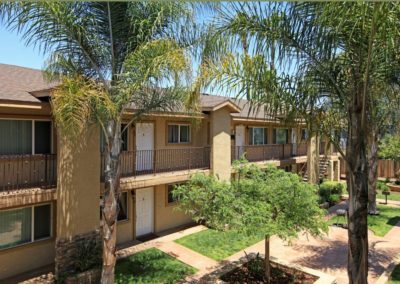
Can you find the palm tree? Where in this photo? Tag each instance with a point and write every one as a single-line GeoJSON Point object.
{"type": "Point", "coordinates": [107, 56]}
{"type": "Point", "coordinates": [313, 56]}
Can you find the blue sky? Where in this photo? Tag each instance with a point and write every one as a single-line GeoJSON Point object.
{"type": "Point", "coordinates": [14, 51]}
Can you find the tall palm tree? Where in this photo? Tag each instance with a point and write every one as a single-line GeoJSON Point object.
{"type": "Point", "coordinates": [107, 56]}
{"type": "Point", "coordinates": [295, 46]}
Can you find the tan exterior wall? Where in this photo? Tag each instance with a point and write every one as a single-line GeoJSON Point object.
{"type": "Point", "coordinates": [221, 143]}
{"type": "Point", "coordinates": [28, 257]}
{"type": "Point", "coordinates": [165, 215]}
{"type": "Point", "coordinates": [78, 191]}
{"type": "Point", "coordinates": [198, 132]}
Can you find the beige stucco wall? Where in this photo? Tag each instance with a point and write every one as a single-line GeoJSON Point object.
{"type": "Point", "coordinates": [165, 216]}
{"type": "Point", "coordinates": [221, 143]}
{"type": "Point", "coordinates": [78, 185]}
{"type": "Point", "coordinates": [25, 258]}
{"type": "Point", "coordinates": [198, 132]}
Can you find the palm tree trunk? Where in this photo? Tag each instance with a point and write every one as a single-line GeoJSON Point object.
{"type": "Point", "coordinates": [372, 173]}
{"type": "Point", "coordinates": [267, 267]}
{"type": "Point", "coordinates": [357, 183]}
{"type": "Point", "coordinates": [109, 212]}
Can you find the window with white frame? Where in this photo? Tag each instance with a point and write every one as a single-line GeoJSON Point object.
{"type": "Point", "coordinates": [178, 133]}
{"type": "Point", "coordinates": [21, 137]}
{"type": "Point", "coordinates": [25, 225]}
{"type": "Point", "coordinates": [258, 135]}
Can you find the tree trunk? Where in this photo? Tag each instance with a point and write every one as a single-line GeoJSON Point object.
{"type": "Point", "coordinates": [110, 205]}
{"type": "Point", "coordinates": [357, 183]}
{"type": "Point", "coordinates": [267, 267]}
{"type": "Point", "coordinates": [372, 173]}
{"type": "Point", "coordinates": [313, 158]}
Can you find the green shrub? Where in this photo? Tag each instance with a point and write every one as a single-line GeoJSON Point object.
{"type": "Point", "coordinates": [334, 198]}
{"type": "Point", "coordinates": [333, 187]}
{"type": "Point", "coordinates": [380, 185]}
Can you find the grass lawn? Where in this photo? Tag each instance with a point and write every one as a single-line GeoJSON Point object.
{"type": "Point", "coordinates": [380, 224]}
{"type": "Point", "coordinates": [395, 278]}
{"type": "Point", "coordinates": [151, 266]}
{"type": "Point", "coordinates": [218, 245]}
{"type": "Point", "coordinates": [393, 196]}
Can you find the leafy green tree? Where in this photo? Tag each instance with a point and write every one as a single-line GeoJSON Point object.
{"type": "Point", "coordinates": [389, 147]}
{"type": "Point", "coordinates": [107, 56]}
{"type": "Point", "coordinates": [330, 60]}
{"type": "Point", "coordinates": [270, 201]}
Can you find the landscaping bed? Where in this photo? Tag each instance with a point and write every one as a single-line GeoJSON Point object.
{"type": "Point", "coordinates": [253, 272]}
{"type": "Point", "coordinates": [218, 245]}
{"type": "Point", "coordinates": [151, 266]}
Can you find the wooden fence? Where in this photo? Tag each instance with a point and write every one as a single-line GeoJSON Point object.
{"type": "Point", "coordinates": [386, 168]}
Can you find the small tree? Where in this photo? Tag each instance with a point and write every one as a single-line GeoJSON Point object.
{"type": "Point", "coordinates": [389, 148]}
{"type": "Point", "coordinates": [270, 201]}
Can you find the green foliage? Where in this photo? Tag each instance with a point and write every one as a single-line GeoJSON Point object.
{"type": "Point", "coordinates": [389, 147]}
{"type": "Point", "coordinates": [395, 277]}
{"type": "Point", "coordinates": [380, 185]}
{"type": "Point", "coordinates": [267, 201]}
{"type": "Point", "coordinates": [219, 245]}
{"type": "Point", "coordinates": [330, 191]}
{"type": "Point", "coordinates": [151, 266]}
{"type": "Point", "coordinates": [334, 198]}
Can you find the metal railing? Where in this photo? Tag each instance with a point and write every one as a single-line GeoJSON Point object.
{"type": "Point", "coordinates": [141, 162]}
{"type": "Point", "coordinates": [254, 153]}
{"type": "Point", "coordinates": [27, 171]}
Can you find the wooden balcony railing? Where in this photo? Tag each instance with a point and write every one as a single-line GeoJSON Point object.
{"type": "Point", "coordinates": [26, 171]}
{"type": "Point", "coordinates": [141, 162]}
{"type": "Point", "coordinates": [254, 153]}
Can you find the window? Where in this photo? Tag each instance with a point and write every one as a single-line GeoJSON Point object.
{"type": "Point", "coordinates": [122, 205]}
{"type": "Point", "coordinates": [281, 136]}
{"type": "Point", "coordinates": [22, 137]}
{"type": "Point", "coordinates": [257, 136]}
{"type": "Point", "coordinates": [178, 133]}
{"type": "Point", "coordinates": [170, 197]}
{"type": "Point", "coordinates": [25, 225]}
{"type": "Point", "coordinates": [304, 134]}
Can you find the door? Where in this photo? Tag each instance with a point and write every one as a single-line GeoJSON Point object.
{"type": "Point", "coordinates": [144, 211]}
{"type": "Point", "coordinates": [239, 141]}
{"type": "Point", "coordinates": [144, 146]}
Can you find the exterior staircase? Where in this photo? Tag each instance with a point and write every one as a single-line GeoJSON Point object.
{"type": "Point", "coordinates": [323, 167]}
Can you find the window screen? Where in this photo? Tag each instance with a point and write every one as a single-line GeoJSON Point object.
{"type": "Point", "coordinates": [15, 227]}
{"type": "Point", "coordinates": [15, 137]}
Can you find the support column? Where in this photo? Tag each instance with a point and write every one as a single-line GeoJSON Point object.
{"type": "Point", "coordinates": [78, 193]}
{"type": "Point", "coordinates": [221, 143]}
{"type": "Point", "coordinates": [313, 158]}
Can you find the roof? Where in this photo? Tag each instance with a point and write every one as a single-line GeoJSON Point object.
{"type": "Point", "coordinates": [19, 83]}
{"type": "Point", "coordinates": [28, 85]}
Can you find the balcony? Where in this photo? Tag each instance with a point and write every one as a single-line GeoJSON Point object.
{"type": "Point", "coordinates": [27, 171]}
{"type": "Point", "coordinates": [142, 162]}
{"type": "Point", "coordinates": [257, 153]}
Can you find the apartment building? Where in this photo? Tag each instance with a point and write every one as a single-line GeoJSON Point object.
{"type": "Point", "coordinates": [50, 190]}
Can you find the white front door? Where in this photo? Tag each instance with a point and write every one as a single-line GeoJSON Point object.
{"type": "Point", "coordinates": [239, 140]}
{"type": "Point", "coordinates": [144, 211]}
{"type": "Point", "coordinates": [144, 146]}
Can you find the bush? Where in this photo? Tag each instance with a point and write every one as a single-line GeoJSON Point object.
{"type": "Point", "coordinates": [329, 188]}
{"type": "Point", "coordinates": [334, 198]}
{"type": "Point", "coordinates": [380, 185]}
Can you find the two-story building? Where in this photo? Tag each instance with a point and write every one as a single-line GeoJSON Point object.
{"type": "Point", "coordinates": [50, 190]}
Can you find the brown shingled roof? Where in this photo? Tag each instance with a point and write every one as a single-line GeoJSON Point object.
{"type": "Point", "coordinates": [17, 83]}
